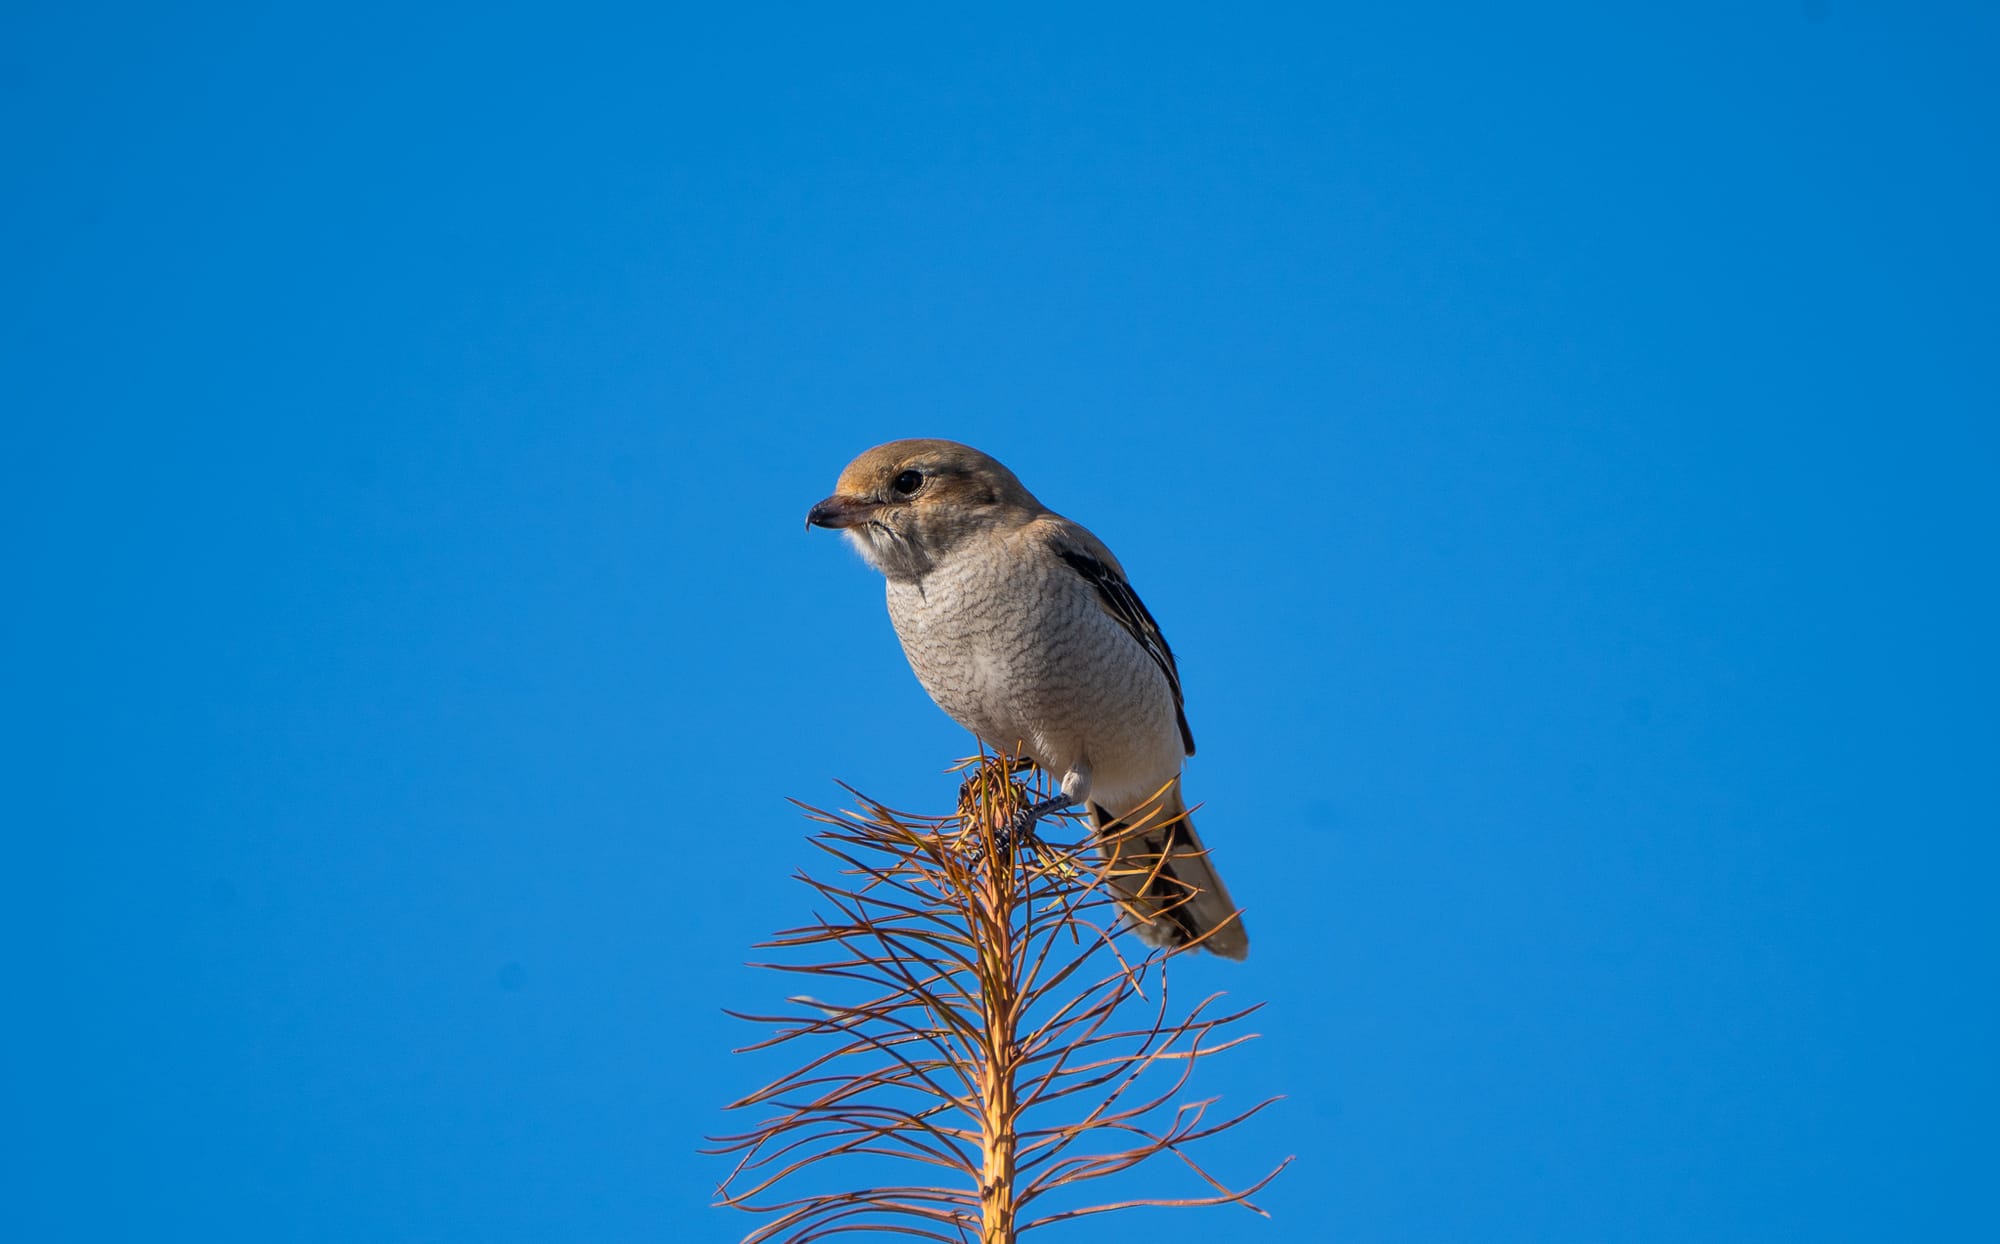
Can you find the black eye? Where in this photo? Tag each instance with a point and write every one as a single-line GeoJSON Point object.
{"type": "Point", "coordinates": [908, 482]}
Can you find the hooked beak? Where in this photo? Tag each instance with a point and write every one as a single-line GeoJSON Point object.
{"type": "Point", "coordinates": [838, 512]}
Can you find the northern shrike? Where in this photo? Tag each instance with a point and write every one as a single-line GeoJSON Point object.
{"type": "Point", "coordinates": [1022, 627]}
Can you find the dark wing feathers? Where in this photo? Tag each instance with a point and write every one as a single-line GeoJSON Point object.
{"type": "Point", "coordinates": [1122, 603]}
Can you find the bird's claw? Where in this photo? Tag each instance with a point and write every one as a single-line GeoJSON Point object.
{"type": "Point", "coordinates": [1021, 826]}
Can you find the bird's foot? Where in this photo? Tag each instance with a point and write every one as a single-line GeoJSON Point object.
{"type": "Point", "coordinates": [1021, 826]}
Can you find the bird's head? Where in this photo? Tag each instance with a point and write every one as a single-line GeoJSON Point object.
{"type": "Point", "coordinates": [907, 504]}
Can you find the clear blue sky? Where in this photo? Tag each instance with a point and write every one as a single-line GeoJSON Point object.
{"type": "Point", "coordinates": [1559, 445]}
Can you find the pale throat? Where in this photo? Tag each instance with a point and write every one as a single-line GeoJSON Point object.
{"type": "Point", "coordinates": [894, 558]}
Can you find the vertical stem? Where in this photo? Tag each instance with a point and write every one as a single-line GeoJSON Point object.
{"type": "Point", "coordinates": [996, 896]}
{"type": "Point", "coordinates": [996, 1143]}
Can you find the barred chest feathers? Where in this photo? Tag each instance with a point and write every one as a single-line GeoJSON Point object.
{"type": "Point", "coordinates": [1019, 651]}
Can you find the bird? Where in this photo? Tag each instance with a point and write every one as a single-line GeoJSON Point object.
{"type": "Point", "coordinates": [1023, 628]}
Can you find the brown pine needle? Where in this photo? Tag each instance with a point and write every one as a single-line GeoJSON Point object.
{"type": "Point", "coordinates": [974, 1014]}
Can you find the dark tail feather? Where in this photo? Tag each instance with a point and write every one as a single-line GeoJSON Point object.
{"type": "Point", "coordinates": [1163, 878]}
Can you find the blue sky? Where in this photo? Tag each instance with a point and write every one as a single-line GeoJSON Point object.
{"type": "Point", "coordinates": [1558, 443]}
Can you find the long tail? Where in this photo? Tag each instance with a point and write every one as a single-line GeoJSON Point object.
{"type": "Point", "coordinates": [1163, 878]}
